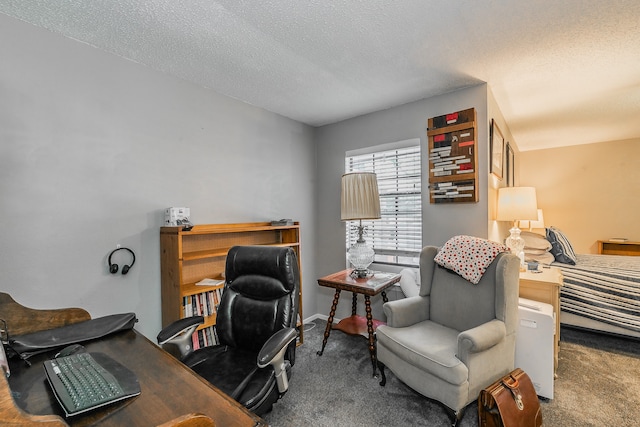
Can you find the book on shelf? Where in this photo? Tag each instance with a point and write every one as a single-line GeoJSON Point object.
{"type": "Point", "coordinates": [210, 282]}
{"type": "Point", "coordinates": [202, 304]}
{"type": "Point", "coordinates": [205, 337]}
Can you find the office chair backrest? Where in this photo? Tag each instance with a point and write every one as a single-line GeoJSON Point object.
{"type": "Point", "coordinates": [260, 295]}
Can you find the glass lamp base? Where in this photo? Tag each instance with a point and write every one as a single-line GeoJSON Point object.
{"type": "Point", "coordinates": [361, 256]}
{"type": "Point", "coordinates": [515, 243]}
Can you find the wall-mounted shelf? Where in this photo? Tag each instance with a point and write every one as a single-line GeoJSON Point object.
{"type": "Point", "coordinates": [453, 157]}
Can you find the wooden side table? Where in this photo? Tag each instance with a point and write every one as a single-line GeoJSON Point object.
{"type": "Point", "coordinates": [356, 324]}
{"type": "Point", "coordinates": [545, 287]}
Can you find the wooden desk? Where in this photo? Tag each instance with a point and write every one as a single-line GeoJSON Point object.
{"type": "Point", "coordinates": [607, 247]}
{"type": "Point", "coordinates": [545, 287]}
{"type": "Point", "coordinates": [168, 389]}
{"type": "Point", "coordinates": [356, 324]}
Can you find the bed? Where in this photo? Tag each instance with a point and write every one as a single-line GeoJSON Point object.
{"type": "Point", "coordinates": [600, 292]}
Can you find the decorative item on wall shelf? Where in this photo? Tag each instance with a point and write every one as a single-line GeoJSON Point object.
{"type": "Point", "coordinates": [453, 165]}
{"type": "Point", "coordinates": [497, 150]}
{"type": "Point", "coordinates": [281, 222]}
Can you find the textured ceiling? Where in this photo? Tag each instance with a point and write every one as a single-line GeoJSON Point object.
{"type": "Point", "coordinates": [562, 72]}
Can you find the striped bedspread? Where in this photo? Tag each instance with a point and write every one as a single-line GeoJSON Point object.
{"type": "Point", "coordinates": [604, 288]}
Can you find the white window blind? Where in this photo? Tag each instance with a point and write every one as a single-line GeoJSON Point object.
{"type": "Point", "coordinates": [397, 236]}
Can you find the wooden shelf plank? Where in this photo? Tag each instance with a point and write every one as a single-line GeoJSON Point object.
{"type": "Point", "coordinates": [356, 325]}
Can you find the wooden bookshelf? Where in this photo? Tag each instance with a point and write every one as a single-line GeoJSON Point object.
{"type": "Point", "coordinates": [187, 257]}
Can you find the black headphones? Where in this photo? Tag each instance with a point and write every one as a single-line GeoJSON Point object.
{"type": "Point", "coordinates": [113, 268]}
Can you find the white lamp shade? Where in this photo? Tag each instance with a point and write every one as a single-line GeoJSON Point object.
{"type": "Point", "coordinates": [517, 203]}
{"type": "Point", "coordinates": [539, 223]}
{"type": "Point", "coordinates": [360, 197]}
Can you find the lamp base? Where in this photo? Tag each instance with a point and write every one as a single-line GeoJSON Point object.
{"type": "Point", "coordinates": [361, 255]}
{"type": "Point", "coordinates": [360, 274]}
{"type": "Point", "coordinates": [515, 243]}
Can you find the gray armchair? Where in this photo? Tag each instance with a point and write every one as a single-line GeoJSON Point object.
{"type": "Point", "coordinates": [454, 338]}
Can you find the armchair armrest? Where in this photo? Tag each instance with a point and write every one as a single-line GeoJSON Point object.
{"type": "Point", "coordinates": [481, 338]}
{"type": "Point", "coordinates": [407, 311]}
{"type": "Point", "coordinates": [272, 353]}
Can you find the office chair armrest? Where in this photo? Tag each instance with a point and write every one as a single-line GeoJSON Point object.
{"type": "Point", "coordinates": [272, 353]}
{"type": "Point", "coordinates": [274, 345]}
{"type": "Point", "coordinates": [175, 338]}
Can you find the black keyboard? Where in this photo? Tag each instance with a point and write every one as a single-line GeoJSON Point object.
{"type": "Point", "coordinates": [84, 381]}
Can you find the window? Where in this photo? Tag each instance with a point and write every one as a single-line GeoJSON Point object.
{"type": "Point", "coordinates": [397, 235]}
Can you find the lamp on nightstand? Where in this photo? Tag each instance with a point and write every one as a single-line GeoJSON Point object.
{"type": "Point", "coordinates": [360, 200]}
{"type": "Point", "coordinates": [516, 204]}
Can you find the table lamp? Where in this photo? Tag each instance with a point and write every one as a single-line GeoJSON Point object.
{"type": "Point", "coordinates": [360, 200]}
{"type": "Point", "coordinates": [515, 204]}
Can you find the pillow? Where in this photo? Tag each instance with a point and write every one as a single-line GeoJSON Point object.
{"type": "Point", "coordinates": [535, 241]}
{"type": "Point", "coordinates": [546, 258]}
{"type": "Point", "coordinates": [560, 246]}
{"type": "Point", "coordinates": [529, 251]}
{"type": "Point", "coordinates": [409, 282]}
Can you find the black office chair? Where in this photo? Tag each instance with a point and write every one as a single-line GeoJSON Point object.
{"type": "Point", "coordinates": [255, 325]}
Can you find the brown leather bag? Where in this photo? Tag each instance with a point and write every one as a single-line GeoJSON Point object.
{"type": "Point", "coordinates": [510, 402]}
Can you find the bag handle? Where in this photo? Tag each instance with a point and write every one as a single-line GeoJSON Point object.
{"type": "Point", "coordinates": [514, 388]}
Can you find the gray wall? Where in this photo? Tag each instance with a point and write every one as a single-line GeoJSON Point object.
{"type": "Point", "coordinates": [93, 148]}
{"type": "Point", "coordinates": [439, 222]}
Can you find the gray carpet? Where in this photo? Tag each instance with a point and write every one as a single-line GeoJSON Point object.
{"type": "Point", "coordinates": [598, 385]}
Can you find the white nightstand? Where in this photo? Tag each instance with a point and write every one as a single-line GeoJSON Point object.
{"type": "Point", "coordinates": [544, 286]}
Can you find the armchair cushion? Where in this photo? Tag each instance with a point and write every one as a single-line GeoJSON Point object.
{"type": "Point", "coordinates": [428, 346]}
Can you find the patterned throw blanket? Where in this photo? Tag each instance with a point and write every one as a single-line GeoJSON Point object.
{"type": "Point", "coordinates": [604, 288]}
{"type": "Point", "coordinates": [468, 256]}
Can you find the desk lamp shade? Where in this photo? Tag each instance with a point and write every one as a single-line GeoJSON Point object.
{"type": "Point", "coordinates": [360, 200]}
{"type": "Point", "coordinates": [516, 204]}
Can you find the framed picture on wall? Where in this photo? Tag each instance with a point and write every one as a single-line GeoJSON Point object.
{"type": "Point", "coordinates": [511, 166]}
{"type": "Point", "coordinates": [497, 150]}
